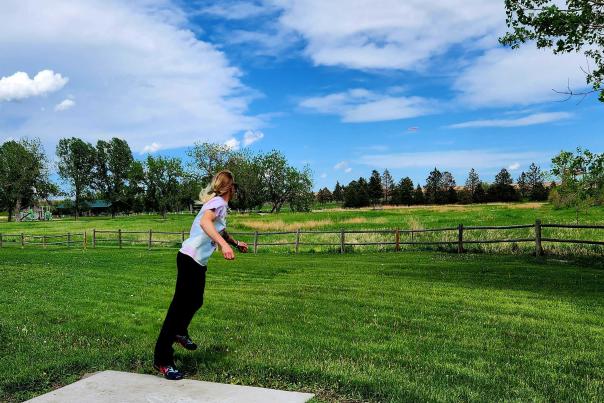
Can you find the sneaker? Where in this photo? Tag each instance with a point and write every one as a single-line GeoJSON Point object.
{"type": "Point", "coordinates": [186, 342]}
{"type": "Point", "coordinates": [169, 372]}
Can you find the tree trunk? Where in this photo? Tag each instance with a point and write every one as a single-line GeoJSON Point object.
{"type": "Point", "coordinates": [10, 214]}
{"type": "Point", "coordinates": [77, 205]}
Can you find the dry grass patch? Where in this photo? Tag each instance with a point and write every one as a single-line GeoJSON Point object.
{"type": "Point", "coordinates": [280, 225]}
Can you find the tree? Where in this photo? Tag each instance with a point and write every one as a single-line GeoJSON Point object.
{"type": "Point", "coordinates": [472, 183]}
{"type": "Point", "coordinates": [113, 161]}
{"type": "Point", "coordinates": [77, 160]}
{"type": "Point", "coordinates": [403, 193]}
{"type": "Point", "coordinates": [135, 190]}
{"type": "Point", "coordinates": [247, 169]}
{"type": "Point", "coordinates": [364, 193]}
{"type": "Point", "coordinates": [524, 190]}
{"type": "Point", "coordinates": [356, 194]}
{"type": "Point", "coordinates": [283, 183]}
{"type": "Point", "coordinates": [163, 177]}
{"type": "Point", "coordinates": [433, 187]}
{"type": "Point", "coordinates": [418, 195]}
{"type": "Point", "coordinates": [338, 192]}
{"type": "Point", "coordinates": [208, 159]}
{"type": "Point", "coordinates": [502, 189]}
{"type": "Point", "coordinates": [581, 180]}
{"type": "Point", "coordinates": [448, 187]}
{"type": "Point", "coordinates": [577, 27]}
{"type": "Point", "coordinates": [535, 178]}
{"type": "Point", "coordinates": [324, 196]}
{"type": "Point", "coordinates": [388, 186]}
{"type": "Point", "coordinates": [376, 188]}
{"type": "Point", "coordinates": [23, 175]}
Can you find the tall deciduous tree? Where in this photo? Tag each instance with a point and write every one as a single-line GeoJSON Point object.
{"type": "Point", "coordinates": [77, 160]}
{"type": "Point", "coordinates": [576, 26]}
{"type": "Point", "coordinates": [163, 177]}
{"type": "Point", "coordinates": [23, 174]}
{"type": "Point", "coordinates": [207, 159]}
{"type": "Point", "coordinates": [114, 159]}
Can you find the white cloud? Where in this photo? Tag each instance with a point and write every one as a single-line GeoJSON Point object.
{"type": "Point", "coordinates": [136, 69]}
{"type": "Point", "coordinates": [453, 159]}
{"type": "Point", "coordinates": [361, 105]}
{"type": "Point", "coordinates": [236, 10]}
{"type": "Point", "coordinates": [348, 170]}
{"type": "Point", "coordinates": [513, 167]}
{"type": "Point", "coordinates": [19, 86]}
{"type": "Point", "coordinates": [64, 105]}
{"type": "Point", "coordinates": [389, 34]}
{"type": "Point", "coordinates": [232, 143]}
{"type": "Point", "coordinates": [151, 148]}
{"type": "Point", "coordinates": [533, 119]}
{"type": "Point", "coordinates": [525, 76]}
{"type": "Point", "coordinates": [252, 136]}
{"type": "Point", "coordinates": [341, 165]}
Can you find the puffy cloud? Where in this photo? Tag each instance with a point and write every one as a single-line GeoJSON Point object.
{"type": "Point", "coordinates": [513, 167]}
{"type": "Point", "coordinates": [64, 105]}
{"type": "Point", "coordinates": [236, 10]}
{"type": "Point", "coordinates": [529, 120]}
{"type": "Point", "coordinates": [151, 148]}
{"type": "Point", "coordinates": [232, 143]}
{"type": "Point", "coordinates": [19, 86]}
{"type": "Point", "coordinates": [453, 159]}
{"type": "Point", "coordinates": [252, 136]}
{"type": "Point", "coordinates": [503, 77]}
{"type": "Point", "coordinates": [341, 165]}
{"type": "Point", "coordinates": [361, 105]}
{"type": "Point", "coordinates": [137, 71]}
{"type": "Point", "coordinates": [389, 34]}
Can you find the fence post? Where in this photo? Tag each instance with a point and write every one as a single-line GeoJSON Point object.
{"type": "Point", "coordinates": [460, 238]}
{"type": "Point", "coordinates": [182, 235]}
{"type": "Point", "coordinates": [538, 248]}
{"type": "Point", "coordinates": [297, 240]}
{"type": "Point", "coordinates": [85, 240]}
{"type": "Point", "coordinates": [255, 241]}
{"type": "Point", "coordinates": [398, 240]}
{"type": "Point", "coordinates": [412, 232]}
{"type": "Point", "coordinates": [150, 239]}
{"type": "Point", "coordinates": [119, 237]}
{"type": "Point", "coordinates": [69, 239]}
{"type": "Point", "coordinates": [342, 240]}
{"type": "Point", "coordinates": [22, 240]}
{"type": "Point", "coordinates": [94, 238]}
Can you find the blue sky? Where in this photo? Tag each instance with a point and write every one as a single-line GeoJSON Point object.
{"type": "Point", "coordinates": [343, 86]}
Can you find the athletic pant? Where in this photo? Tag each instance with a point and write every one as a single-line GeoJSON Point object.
{"type": "Point", "coordinates": [188, 298]}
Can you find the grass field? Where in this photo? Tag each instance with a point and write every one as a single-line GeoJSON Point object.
{"type": "Point", "coordinates": [364, 327]}
{"type": "Point", "coordinates": [418, 217]}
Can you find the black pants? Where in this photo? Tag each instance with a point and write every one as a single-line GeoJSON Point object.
{"type": "Point", "coordinates": [188, 298]}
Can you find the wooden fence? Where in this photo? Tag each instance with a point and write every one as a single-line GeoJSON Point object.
{"type": "Point", "coordinates": [394, 237]}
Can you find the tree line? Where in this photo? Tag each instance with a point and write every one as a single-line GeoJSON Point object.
{"type": "Point", "coordinates": [580, 183]}
{"type": "Point", "coordinates": [108, 171]}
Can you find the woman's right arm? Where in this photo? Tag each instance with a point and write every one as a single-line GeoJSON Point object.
{"type": "Point", "coordinates": [207, 224]}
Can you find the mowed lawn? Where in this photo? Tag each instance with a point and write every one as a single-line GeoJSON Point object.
{"type": "Point", "coordinates": [361, 327]}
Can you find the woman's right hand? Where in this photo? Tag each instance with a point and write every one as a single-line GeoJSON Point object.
{"type": "Point", "coordinates": [227, 252]}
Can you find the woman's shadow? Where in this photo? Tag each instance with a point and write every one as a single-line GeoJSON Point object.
{"type": "Point", "coordinates": [202, 358]}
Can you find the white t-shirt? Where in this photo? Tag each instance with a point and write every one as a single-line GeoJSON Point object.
{"type": "Point", "coordinates": [199, 245]}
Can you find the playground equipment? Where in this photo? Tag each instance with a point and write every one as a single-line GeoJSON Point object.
{"type": "Point", "coordinates": [36, 214]}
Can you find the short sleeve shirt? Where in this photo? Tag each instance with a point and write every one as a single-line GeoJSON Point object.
{"type": "Point", "coordinates": [199, 245]}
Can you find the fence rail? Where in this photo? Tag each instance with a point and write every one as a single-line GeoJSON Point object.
{"type": "Point", "coordinates": [123, 238]}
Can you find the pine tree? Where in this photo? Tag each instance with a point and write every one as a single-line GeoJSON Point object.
{"type": "Point", "coordinates": [338, 193]}
{"type": "Point", "coordinates": [376, 191]}
{"type": "Point", "coordinates": [388, 186]}
{"type": "Point", "coordinates": [405, 191]}
{"type": "Point", "coordinates": [472, 183]}
{"type": "Point", "coordinates": [364, 198]}
{"type": "Point", "coordinates": [418, 195]}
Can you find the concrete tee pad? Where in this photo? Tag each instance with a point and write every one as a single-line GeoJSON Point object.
{"type": "Point", "coordinates": [114, 386]}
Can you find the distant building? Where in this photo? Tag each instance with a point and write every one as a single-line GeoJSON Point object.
{"type": "Point", "coordinates": [91, 207]}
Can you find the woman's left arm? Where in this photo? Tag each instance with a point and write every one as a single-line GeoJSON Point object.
{"type": "Point", "coordinates": [241, 246]}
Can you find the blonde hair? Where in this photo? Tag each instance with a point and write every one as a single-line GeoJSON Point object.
{"type": "Point", "coordinates": [221, 183]}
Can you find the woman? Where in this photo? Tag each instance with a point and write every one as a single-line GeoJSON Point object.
{"type": "Point", "coordinates": [207, 232]}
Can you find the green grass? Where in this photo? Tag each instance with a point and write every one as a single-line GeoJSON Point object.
{"type": "Point", "coordinates": [335, 219]}
{"type": "Point", "coordinates": [378, 327]}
